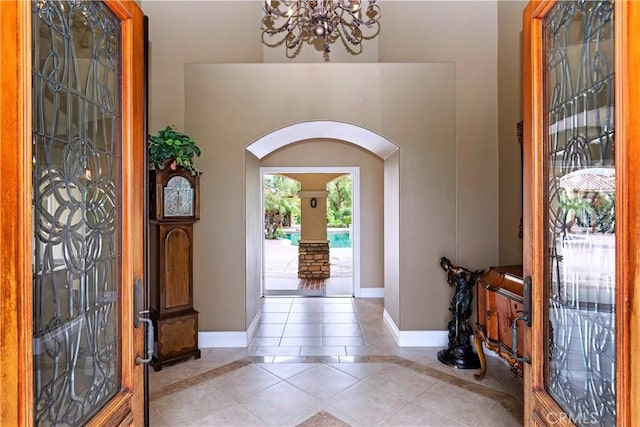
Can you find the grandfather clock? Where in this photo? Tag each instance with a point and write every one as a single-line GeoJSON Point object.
{"type": "Point", "coordinates": [174, 207]}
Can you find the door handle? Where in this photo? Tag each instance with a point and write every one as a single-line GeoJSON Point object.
{"type": "Point", "coordinates": [514, 340]}
{"type": "Point", "coordinates": [137, 301]}
{"type": "Point", "coordinates": [526, 297]}
{"type": "Point", "coordinates": [525, 317]}
{"type": "Point", "coordinates": [150, 333]}
{"type": "Point", "coordinates": [139, 318]}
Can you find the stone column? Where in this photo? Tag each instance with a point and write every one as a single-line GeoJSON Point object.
{"type": "Point", "coordinates": [313, 248]}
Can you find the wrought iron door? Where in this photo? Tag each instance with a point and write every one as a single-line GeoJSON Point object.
{"type": "Point", "coordinates": [575, 193]}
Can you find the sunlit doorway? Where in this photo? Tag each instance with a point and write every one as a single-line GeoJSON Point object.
{"type": "Point", "coordinates": [284, 200]}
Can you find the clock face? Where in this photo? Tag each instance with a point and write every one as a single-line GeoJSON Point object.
{"type": "Point", "coordinates": [178, 197]}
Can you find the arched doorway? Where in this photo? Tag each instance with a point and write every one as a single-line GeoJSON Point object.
{"type": "Point", "coordinates": [281, 274]}
{"type": "Point", "coordinates": [363, 139]}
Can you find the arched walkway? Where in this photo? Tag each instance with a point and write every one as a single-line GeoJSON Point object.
{"type": "Point", "coordinates": [353, 134]}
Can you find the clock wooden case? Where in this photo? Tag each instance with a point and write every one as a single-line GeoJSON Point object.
{"type": "Point", "coordinates": [174, 208]}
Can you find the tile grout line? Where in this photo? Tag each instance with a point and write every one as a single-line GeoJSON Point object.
{"type": "Point", "coordinates": [508, 402]}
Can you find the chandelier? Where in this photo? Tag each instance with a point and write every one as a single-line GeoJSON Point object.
{"type": "Point", "coordinates": [320, 20]}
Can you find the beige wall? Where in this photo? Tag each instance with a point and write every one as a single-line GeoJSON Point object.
{"type": "Point", "coordinates": [462, 33]}
{"type": "Point", "coordinates": [230, 106]}
{"type": "Point", "coordinates": [509, 113]}
{"type": "Point", "coordinates": [184, 32]}
{"type": "Point", "coordinates": [322, 153]}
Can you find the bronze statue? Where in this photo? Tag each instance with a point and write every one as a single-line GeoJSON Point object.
{"type": "Point", "coordinates": [459, 352]}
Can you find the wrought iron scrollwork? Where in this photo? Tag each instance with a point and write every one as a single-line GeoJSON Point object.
{"type": "Point", "coordinates": [581, 172]}
{"type": "Point", "coordinates": [76, 206]}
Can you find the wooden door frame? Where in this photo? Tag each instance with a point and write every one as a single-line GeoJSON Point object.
{"type": "Point", "coordinates": [16, 331]}
{"type": "Point", "coordinates": [627, 46]}
{"type": "Point", "coordinates": [627, 102]}
{"type": "Point", "coordinates": [16, 325]}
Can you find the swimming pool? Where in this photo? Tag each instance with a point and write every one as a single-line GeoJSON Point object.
{"type": "Point", "coordinates": [337, 239]}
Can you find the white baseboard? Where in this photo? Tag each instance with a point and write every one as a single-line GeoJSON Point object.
{"type": "Point", "coordinates": [415, 338]}
{"type": "Point", "coordinates": [254, 325]}
{"type": "Point", "coordinates": [391, 325]}
{"type": "Point", "coordinates": [228, 338]}
{"type": "Point", "coordinates": [222, 339]}
{"type": "Point", "coordinates": [371, 293]}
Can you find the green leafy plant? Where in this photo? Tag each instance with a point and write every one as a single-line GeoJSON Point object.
{"type": "Point", "coordinates": [173, 148]}
{"type": "Point", "coordinates": [339, 202]}
{"type": "Point", "coordinates": [604, 209]}
{"type": "Point", "coordinates": [281, 204]}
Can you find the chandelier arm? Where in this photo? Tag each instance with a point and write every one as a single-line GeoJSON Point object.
{"type": "Point", "coordinates": [372, 36]}
{"type": "Point", "coordinates": [271, 29]}
{"type": "Point", "coordinates": [292, 53]}
{"type": "Point", "coordinates": [376, 18]}
{"type": "Point", "coordinates": [335, 20]}
{"type": "Point", "coordinates": [274, 31]}
{"type": "Point", "coordinates": [288, 4]}
{"type": "Point", "coordinates": [293, 42]}
{"type": "Point", "coordinates": [270, 10]}
{"type": "Point", "coordinates": [354, 49]}
{"type": "Point", "coordinates": [275, 43]}
{"type": "Point", "coordinates": [350, 35]}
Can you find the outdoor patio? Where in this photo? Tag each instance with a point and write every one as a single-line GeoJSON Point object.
{"type": "Point", "coordinates": [281, 271]}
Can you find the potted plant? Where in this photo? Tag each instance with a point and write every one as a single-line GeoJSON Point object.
{"type": "Point", "coordinates": [174, 149]}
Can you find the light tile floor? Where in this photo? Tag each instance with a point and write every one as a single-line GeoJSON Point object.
{"type": "Point", "coordinates": [332, 356]}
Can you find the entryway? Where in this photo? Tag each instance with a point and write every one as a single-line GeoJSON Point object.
{"type": "Point", "coordinates": [331, 268]}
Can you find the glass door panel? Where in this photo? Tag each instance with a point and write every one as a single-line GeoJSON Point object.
{"type": "Point", "coordinates": [580, 272]}
{"type": "Point", "coordinates": [77, 144]}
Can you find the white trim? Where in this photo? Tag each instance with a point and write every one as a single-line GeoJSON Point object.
{"type": "Point", "coordinates": [415, 338]}
{"type": "Point", "coordinates": [254, 325]}
{"type": "Point", "coordinates": [424, 338]}
{"type": "Point", "coordinates": [371, 293]}
{"type": "Point", "coordinates": [355, 209]}
{"type": "Point", "coordinates": [357, 135]}
{"type": "Point", "coordinates": [228, 338]}
{"type": "Point", "coordinates": [391, 325]}
{"type": "Point", "coordinates": [222, 339]}
{"type": "Point", "coordinates": [355, 229]}
{"type": "Point", "coordinates": [308, 169]}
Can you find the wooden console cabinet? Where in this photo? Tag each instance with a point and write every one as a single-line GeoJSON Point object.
{"type": "Point", "coordinates": [499, 296]}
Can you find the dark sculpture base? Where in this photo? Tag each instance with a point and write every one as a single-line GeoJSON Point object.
{"type": "Point", "coordinates": [461, 357]}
